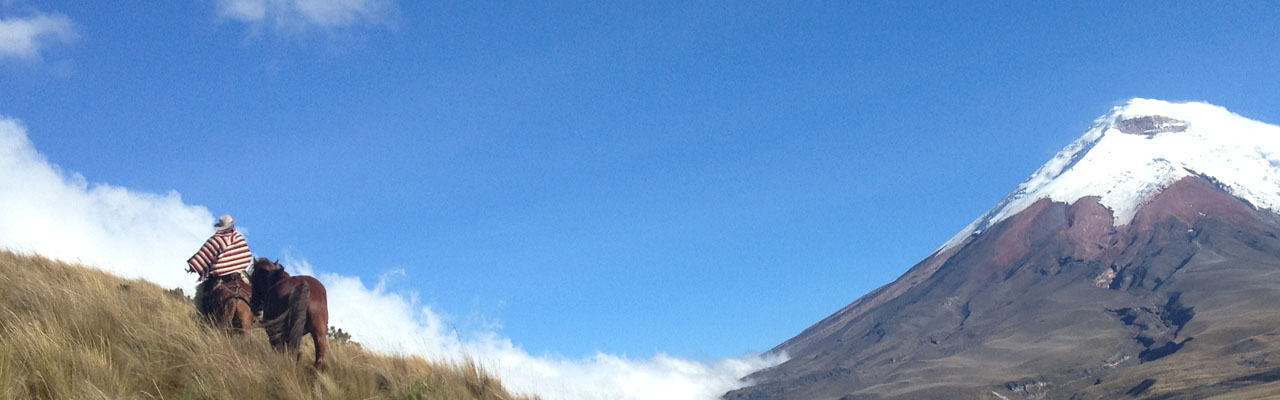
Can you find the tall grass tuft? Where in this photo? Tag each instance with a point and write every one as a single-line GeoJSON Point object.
{"type": "Point", "coordinates": [71, 332]}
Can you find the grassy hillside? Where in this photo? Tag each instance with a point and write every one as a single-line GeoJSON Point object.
{"type": "Point", "coordinates": [71, 332]}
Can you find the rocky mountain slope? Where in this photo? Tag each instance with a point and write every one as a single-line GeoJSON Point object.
{"type": "Point", "coordinates": [1141, 261]}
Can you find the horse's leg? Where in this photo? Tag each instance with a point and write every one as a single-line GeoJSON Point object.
{"type": "Point", "coordinates": [319, 326]}
{"type": "Point", "coordinates": [318, 337]}
{"type": "Point", "coordinates": [244, 318]}
{"type": "Point", "coordinates": [226, 318]}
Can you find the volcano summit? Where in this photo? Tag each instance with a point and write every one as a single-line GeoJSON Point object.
{"type": "Point", "coordinates": [1143, 260]}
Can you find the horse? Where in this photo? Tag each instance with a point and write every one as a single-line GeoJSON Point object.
{"type": "Point", "coordinates": [226, 303]}
{"type": "Point", "coordinates": [291, 306]}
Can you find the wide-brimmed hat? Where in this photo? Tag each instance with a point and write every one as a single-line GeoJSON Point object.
{"type": "Point", "coordinates": [225, 222]}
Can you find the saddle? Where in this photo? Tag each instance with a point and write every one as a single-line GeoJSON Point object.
{"type": "Point", "coordinates": [232, 286]}
{"type": "Point", "coordinates": [225, 288]}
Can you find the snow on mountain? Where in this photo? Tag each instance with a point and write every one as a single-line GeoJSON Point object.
{"type": "Point", "coordinates": [1133, 152]}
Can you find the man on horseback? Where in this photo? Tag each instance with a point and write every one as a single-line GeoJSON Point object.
{"type": "Point", "coordinates": [221, 261]}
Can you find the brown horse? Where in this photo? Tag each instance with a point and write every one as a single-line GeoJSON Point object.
{"type": "Point", "coordinates": [291, 307]}
{"type": "Point", "coordinates": [226, 303]}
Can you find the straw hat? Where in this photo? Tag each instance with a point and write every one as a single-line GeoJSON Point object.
{"type": "Point", "coordinates": [225, 222]}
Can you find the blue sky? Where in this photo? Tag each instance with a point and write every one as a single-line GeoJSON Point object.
{"type": "Point", "coordinates": [703, 179]}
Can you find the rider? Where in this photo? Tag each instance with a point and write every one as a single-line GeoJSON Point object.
{"type": "Point", "coordinates": [225, 256]}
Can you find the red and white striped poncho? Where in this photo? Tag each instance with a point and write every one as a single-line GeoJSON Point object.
{"type": "Point", "coordinates": [224, 253]}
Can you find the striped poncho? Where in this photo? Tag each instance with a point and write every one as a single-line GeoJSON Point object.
{"type": "Point", "coordinates": [224, 253]}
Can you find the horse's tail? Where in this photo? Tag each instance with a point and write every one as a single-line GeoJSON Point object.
{"type": "Point", "coordinates": [287, 328]}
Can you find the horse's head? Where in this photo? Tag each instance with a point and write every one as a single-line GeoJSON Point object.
{"type": "Point", "coordinates": [265, 274]}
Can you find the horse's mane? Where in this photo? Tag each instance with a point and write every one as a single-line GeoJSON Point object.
{"type": "Point", "coordinates": [278, 274]}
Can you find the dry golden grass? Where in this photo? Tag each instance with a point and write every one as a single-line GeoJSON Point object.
{"type": "Point", "coordinates": [71, 332]}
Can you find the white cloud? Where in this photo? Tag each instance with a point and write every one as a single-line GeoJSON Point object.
{"type": "Point", "coordinates": [139, 234]}
{"type": "Point", "coordinates": [26, 37]}
{"type": "Point", "coordinates": [304, 14]}
{"type": "Point", "coordinates": [134, 234]}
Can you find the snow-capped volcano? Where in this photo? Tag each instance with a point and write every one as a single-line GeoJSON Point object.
{"type": "Point", "coordinates": [1133, 152]}
{"type": "Point", "coordinates": [1143, 260]}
